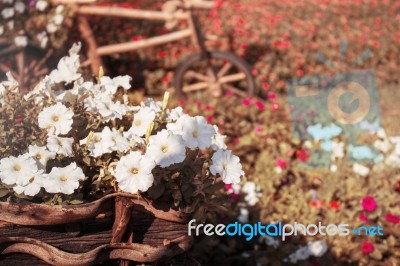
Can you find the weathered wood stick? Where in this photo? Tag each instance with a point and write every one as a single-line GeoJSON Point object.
{"type": "Point", "coordinates": [130, 46]}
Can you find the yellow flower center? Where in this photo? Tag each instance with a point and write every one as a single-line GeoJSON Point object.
{"type": "Point", "coordinates": [38, 156]}
{"type": "Point", "coordinates": [63, 178]}
{"type": "Point", "coordinates": [17, 168]}
{"type": "Point", "coordinates": [195, 134]}
{"type": "Point", "coordinates": [224, 167]}
{"type": "Point", "coordinates": [134, 171]}
{"type": "Point", "coordinates": [56, 118]}
{"type": "Point", "coordinates": [97, 138]}
{"type": "Point", "coordinates": [164, 149]}
{"type": "Point", "coordinates": [137, 122]}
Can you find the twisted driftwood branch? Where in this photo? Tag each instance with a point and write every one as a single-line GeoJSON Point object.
{"type": "Point", "coordinates": [132, 252]}
{"type": "Point", "coordinates": [41, 214]}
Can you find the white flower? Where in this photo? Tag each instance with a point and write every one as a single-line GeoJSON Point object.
{"type": "Point", "coordinates": [7, 12]}
{"type": "Point", "coordinates": [51, 27]}
{"type": "Point", "coordinates": [41, 155]}
{"type": "Point", "coordinates": [337, 149]}
{"type": "Point", "coordinates": [333, 168]}
{"type": "Point", "coordinates": [41, 5]}
{"type": "Point", "coordinates": [58, 19]}
{"type": "Point", "coordinates": [252, 192]}
{"type": "Point", "coordinates": [19, 7]}
{"type": "Point", "coordinates": [60, 145]}
{"type": "Point", "coordinates": [43, 39]}
{"type": "Point", "coordinates": [63, 179]}
{"type": "Point", "coordinates": [33, 187]}
{"type": "Point", "coordinates": [106, 107]}
{"type": "Point", "coordinates": [244, 215]}
{"type": "Point", "coordinates": [174, 114]}
{"type": "Point", "coordinates": [21, 41]}
{"type": "Point", "coordinates": [227, 166]}
{"type": "Point", "coordinates": [218, 140]}
{"type": "Point", "coordinates": [1, 30]}
{"type": "Point", "coordinates": [113, 140]}
{"type": "Point", "coordinates": [111, 85]}
{"type": "Point", "coordinates": [59, 9]}
{"type": "Point", "coordinates": [195, 131]}
{"type": "Point", "coordinates": [166, 148]}
{"type": "Point", "coordinates": [94, 144]}
{"type": "Point", "coordinates": [142, 120]}
{"type": "Point", "coordinates": [360, 169]}
{"type": "Point", "coordinates": [17, 170]}
{"type": "Point", "coordinates": [156, 106]}
{"type": "Point", "coordinates": [133, 172]}
{"type": "Point", "coordinates": [317, 248]}
{"type": "Point", "coordinates": [67, 67]}
{"type": "Point", "coordinates": [56, 118]}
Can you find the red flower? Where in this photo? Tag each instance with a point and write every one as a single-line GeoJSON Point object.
{"type": "Point", "coordinates": [275, 106]}
{"type": "Point", "coordinates": [398, 186]}
{"type": "Point", "coordinates": [368, 203]}
{"type": "Point", "coordinates": [302, 155]}
{"type": "Point", "coordinates": [246, 102]}
{"type": "Point", "coordinates": [392, 218]}
{"type": "Point", "coordinates": [210, 118]}
{"type": "Point", "coordinates": [265, 86]}
{"type": "Point", "coordinates": [317, 204]}
{"type": "Point", "coordinates": [271, 95]}
{"type": "Point", "coordinates": [334, 205]}
{"type": "Point", "coordinates": [367, 247]}
{"type": "Point", "coordinates": [18, 120]}
{"type": "Point", "coordinates": [363, 217]}
{"type": "Point", "coordinates": [260, 105]}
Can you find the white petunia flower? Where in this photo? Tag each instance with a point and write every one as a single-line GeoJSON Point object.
{"type": "Point", "coordinates": [317, 248]}
{"type": "Point", "coordinates": [111, 85]}
{"type": "Point", "coordinates": [142, 120]}
{"type": "Point", "coordinates": [41, 155]}
{"type": "Point", "coordinates": [337, 150]}
{"type": "Point", "coordinates": [19, 7]}
{"type": "Point", "coordinates": [227, 166]}
{"type": "Point", "coordinates": [21, 41]}
{"type": "Point", "coordinates": [33, 187]}
{"type": "Point", "coordinates": [108, 109]}
{"type": "Point", "coordinates": [195, 131]}
{"type": "Point", "coordinates": [166, 148]}
{"type": "Point", "coordinates": [51, 27]}
{"type": "Point", "coordinates": [218, 140]}
{"type": "Point", "coordinates": [56, 118]}
{"type": "Point", "coordinates": [60, 145]}
{"type": "Point", "coordinates": [7, 12]}
{"type": "Point", "coordinates": [58, 19]}
{"type": "Point", "coordinates": [252, 192]}
{"type": "Point", "coordinates": [360, 169]}
{"type": "Point", "coordinates": [17, 170]}
{"type": "Point", "coordinates": [113, 140]}
{"type": "Point", "coordinates": [67, 68]}
{"type": "Point", "coordinates": [63, 179]}
{"type": "Point", "coordinates": [43, 39]}
{"type": "Point", "coordinates": [59, 9]}
{"type": "Point", "coordinates": [244, 215]}
{"type": "Point", "coordinates": [133, 172]}
{"type": "Point", "coordinates": [156, 106]}
{"type": "Point", "coordinates": [41, 5]}
{"type": "Point", "coordinates": [174, 114]}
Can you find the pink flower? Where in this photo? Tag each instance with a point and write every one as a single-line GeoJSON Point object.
{"type": "Point", "coordinates": [281, 163]}
{"type": "Point", "coordinates": [265, 86]}
{"type": "Point", "coordinates": [246, 102]}
{"type": "Point", "coordinates": [260, 105]}
{"type": "Point", "coordinates": [229, 93]}
{"type": "Point", "coordinates": [271, 95]}
{"type": "Point", "coordinates": [367, 247]}
{"type": "Point", "coordinates": [236, 140]}
{"type": "Point", "coordinates": [363, 217]}
{"type": "Point", "coordinates": [258, 130]}
{"type": "Point", "coordinates": [392, 218]}
{"type": "Point", "coordinates": [368, 203]}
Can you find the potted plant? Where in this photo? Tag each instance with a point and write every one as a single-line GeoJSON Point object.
{"type": "Point", "coordinates": [85, 176]}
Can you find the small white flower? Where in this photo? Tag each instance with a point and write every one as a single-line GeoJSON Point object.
{"type": "Point", "coordinates": [43, 39]}
{"type": "Point", "coordinates": [106, 107]}
{"type": "Point", "coordinates": [41, 5]}
{"type": "Point", "coordinates": [19, 7]}
{"type": "Point", "coordinates": [94, 144]}
{"type": "Point", "coordinates": [58, 19]}
{"type": "Point", "coordinates": [156, 106]}
{"type": "Point", "coordinates": [60, 145]}
{"type": "Point", "coordinates": [337, 149]}
{"type": "Point", "coordinates": [59, 9]}
{"type": "Point", "coordinates": [133, 172]}
{"type": "Point", "coordinates": [227, 166]}
{"type": "Point", "coordinates": [33, 187]}
{"type": "Point", "coordinates": [17, 170]}
{"type": "Point", "coordinates": [252, 192]}
{"type": "Point", "coordinates": [218, 140]}
{"type": "Point", "coordinates": [56, 118]}
{"type": "Point", "coordinates": [63, 179]}
{"type": "Point", "coordinates": [51, 27]}
{"type": "Point", "coordinates": [174, 114]}
{"type": "Point", "coordinates": [333, 168]}
{"type": "Point", "coordinates": [142, 120]}
{"type": "Point", "coordinates": [166, 148]}
{"type": "Point", "coordinates": [360, 169]}
{"type": "Point", "coordinates": [195, 131]}
{"type": "Point", "coordinates": [66, 70]}
{"type": "Point", "coordinates": [111, 85]}
{"type": "Point", "coordinates": [7, 12]}
{"type": "Point", "coordinates": [244, 215]}
{"type": "Point", "coordinates": [41, 155]}
{"type": "Point", "coordinates": [317, 248]}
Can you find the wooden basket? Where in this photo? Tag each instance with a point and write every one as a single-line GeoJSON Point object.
{"type": "Point", "coordinates": [89, 234]}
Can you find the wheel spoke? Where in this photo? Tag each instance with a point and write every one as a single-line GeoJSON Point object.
{"type": "Point", "coordinates": [197, 76]}
{"type": "Point", "coordinates": [224, 69]}
{"type": "Point", "coordinates": [195, 87]}
{"type": "Point", "coordinates": [235, 90]}
{"type": "Point", "coordinates": [232, 78]}
{"type": "Point", "coordinates": [20, 65]}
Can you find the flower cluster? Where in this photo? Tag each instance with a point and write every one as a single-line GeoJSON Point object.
{"type": "Point", "coordinates": [86, 139]}
{"type": "Point", "coordinates": [36, 22]}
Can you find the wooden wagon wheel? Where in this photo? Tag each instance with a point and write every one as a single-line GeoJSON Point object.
{"type": "Point", "coordinates": [27, 65]}
{"type": "Point", "coordinates": [222, 73]}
